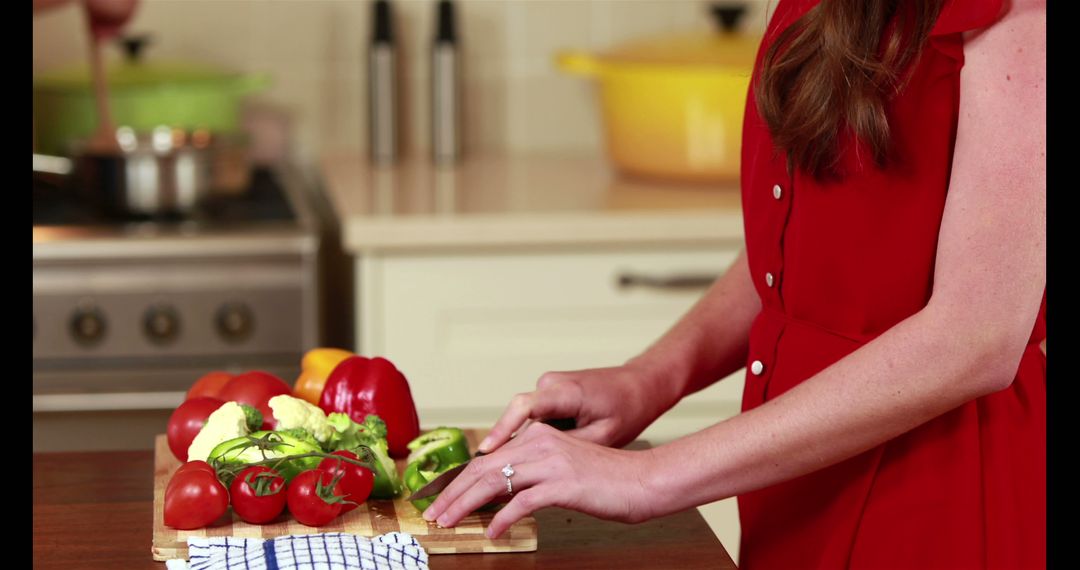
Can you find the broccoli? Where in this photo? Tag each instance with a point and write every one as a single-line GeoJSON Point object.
{"type": "Point", "coordinates": [253, 416]}
{"type": "Point", "coordinates": [351, 436]}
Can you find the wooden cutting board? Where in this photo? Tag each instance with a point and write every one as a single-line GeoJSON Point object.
{"type": "Point", "coordinates": [370, 519]}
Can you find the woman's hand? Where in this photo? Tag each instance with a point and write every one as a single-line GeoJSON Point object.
{"type": "Point", "coordinates": [612, 406]}
{"type": "Point", "coordinates": [108, 17]}
{"type": "Point", "coordinates": [551, 468]}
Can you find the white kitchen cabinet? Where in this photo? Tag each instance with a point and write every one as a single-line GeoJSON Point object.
{"type": "Point", "coordinates": [470, 330]}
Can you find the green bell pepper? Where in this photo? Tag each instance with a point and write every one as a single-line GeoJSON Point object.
{"type": "Point", "coordinates": [438, 448]}
{"type": "Point", "coordinates": [431, 454]}
{"type": "Point", "coordinates": [415, 479]}
{"type": "Point", "coordinates": [263, 445]}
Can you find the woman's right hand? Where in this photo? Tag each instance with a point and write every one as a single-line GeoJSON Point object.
{"type": "Point", "coordinates": [108, 17]}
{"type": "Point", "coordinates": [611, 406]}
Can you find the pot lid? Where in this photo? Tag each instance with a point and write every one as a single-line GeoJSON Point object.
{"type": "Point", "coordinates": [736, 52]}
{"type": "Point", "coordinates": [727, 47]}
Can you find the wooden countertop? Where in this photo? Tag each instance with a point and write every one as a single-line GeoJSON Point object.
{"type": "Point", "coordinates": [517, 200]}
{"type": "Point", "coordinates": [94, 510]}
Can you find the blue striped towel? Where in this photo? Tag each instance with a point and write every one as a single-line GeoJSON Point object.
{"type": "Point", "coordinates": [329, 551]}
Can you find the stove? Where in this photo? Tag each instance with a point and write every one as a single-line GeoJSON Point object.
{"type": "Point", "coordinates": [129, 312]}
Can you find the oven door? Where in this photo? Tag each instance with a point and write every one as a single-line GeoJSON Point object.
{"type": "Point", "coordinates": [117, 344]}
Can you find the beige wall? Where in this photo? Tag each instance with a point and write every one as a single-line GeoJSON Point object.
{"type": "Point", "coordinates": [313, 49]}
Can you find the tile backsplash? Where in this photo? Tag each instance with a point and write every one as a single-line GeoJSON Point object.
{"type": "Point", "coordinates": [315, 50]}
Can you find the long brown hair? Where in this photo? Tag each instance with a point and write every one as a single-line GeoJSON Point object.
{"type": "Point", "coordinates": [835, 68]}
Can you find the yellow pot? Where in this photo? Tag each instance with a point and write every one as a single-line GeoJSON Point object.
{"type": "Point", "coordinates": [672, 107]}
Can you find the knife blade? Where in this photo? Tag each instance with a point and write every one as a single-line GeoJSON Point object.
{"type": "Point", "coordinates": [443, 480]}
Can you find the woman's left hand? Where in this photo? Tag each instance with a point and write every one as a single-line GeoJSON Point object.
{"type": "Point", "coordinates": [551, 468]}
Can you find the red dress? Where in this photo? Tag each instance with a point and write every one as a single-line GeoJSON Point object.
{"type": "Point", "coordinates": [837, 264]}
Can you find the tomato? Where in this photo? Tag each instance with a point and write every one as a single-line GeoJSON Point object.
{"type": "Point", "coordinates": [314, 497]}
{"type": "Point", "coordinates": [258, 494]}
{"type": "Point", "coordinates": [194, 497]}
{"type": "Point", "coordinates": [186, 421]}
{"type": "Point", "coordinates": [193, 466]}
{"type": "Point", "coordinates": [209, 385]}
{"type": "Point", "coordinates": [187, 467]}
{"type": "Point", "coordinates": [356, 481]}
{"type": "Point", "coordinates": [255, 389]}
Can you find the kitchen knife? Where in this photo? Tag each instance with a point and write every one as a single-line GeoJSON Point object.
{"type": "Point", "coordinates": [439, 483]}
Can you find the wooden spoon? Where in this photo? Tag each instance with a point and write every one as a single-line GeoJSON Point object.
{"type": "Point", "coordinates": [103, 140]}
{"type": "Point", "coordinates": [104, 18]}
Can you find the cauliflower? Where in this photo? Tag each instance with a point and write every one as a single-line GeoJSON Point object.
{"type": "Point", "coordinates": [293, 412]}
{"type": "Point", "coordinates": [227, 422]}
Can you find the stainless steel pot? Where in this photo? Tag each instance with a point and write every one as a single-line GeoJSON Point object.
{"type": "Point", "coordinates": [166, 171]}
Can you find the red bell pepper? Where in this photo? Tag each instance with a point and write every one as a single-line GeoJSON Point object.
{"type": "Point", "coordinates": [360, 386]}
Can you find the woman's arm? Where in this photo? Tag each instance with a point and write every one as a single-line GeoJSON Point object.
{"type": "Point", "coordinates": [989, 279]}
{"type": "Point", "coordinates": [710, 341]}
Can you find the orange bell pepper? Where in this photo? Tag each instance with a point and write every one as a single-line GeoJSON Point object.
{"type": "Point", "coordinates": [315, 368]}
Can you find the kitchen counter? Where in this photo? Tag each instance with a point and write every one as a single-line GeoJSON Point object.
{"type": "Point", "coordinates": [518, 200]}
{"type": "Point", "coordinates": [94, 510]}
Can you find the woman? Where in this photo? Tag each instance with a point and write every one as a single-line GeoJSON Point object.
{"type": "Point", "coordinates": [889, 308]}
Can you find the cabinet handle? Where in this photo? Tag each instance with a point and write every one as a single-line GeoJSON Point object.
{"type": "Point", "coordinates": [678, 281]}
{"type": "Point", "coordinates": [107, 402]}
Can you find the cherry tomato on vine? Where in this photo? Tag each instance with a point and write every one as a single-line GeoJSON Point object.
{"type": "Point", "coordinates": [356, 481]}
{"type": "Point", "coordinates": [258, 494]}
{"type": "Point", "coordinates": [315, 497]}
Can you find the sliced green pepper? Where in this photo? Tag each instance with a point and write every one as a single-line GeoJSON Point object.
{"type": "Point", "coordinates": [438, 449]}
{"type": "Point", "coordinates": [431, 454]}
{"type": "Point", "coordinates": [416, 478]}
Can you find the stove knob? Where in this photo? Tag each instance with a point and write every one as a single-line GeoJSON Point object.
{"type": "Point", "coordinates": [88, 326]}
{"type": "Point", "coordinates": [235, 322]}
{"type": "Point", "coordinates": [161, 324]}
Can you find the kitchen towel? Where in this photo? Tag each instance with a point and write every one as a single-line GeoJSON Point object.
{"type": "Point", "coordinates": [329, 551]}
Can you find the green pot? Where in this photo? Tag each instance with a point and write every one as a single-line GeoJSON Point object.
{"type": "Point", "coordinates": [141, 96]}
